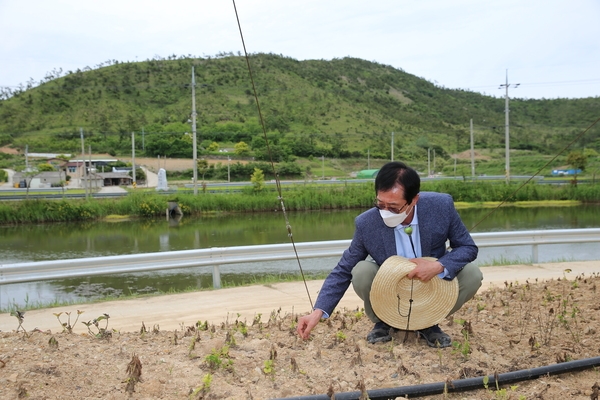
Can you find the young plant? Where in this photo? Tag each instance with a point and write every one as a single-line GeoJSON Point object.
{"type": "Point", "coordinates": [53, 343]}
{"type": "Point", "coordinates": [67, 327]}
{"type": "Point", "coordinates": [340, 337]}
{"type": "Point", "coordinates": [20, 315]}
{"type": "Point", "coordinates": [192, 346]}
{"type": "Point", "coordinates": [134, 373]}
{"type": "Point", "coordinates": [201, 391]}
{"type": "Point", "coordinates": [102, 333]}
{"type": "Point", "coordinates": [219, 358]}
{"type": "Point", "coordinates": [202, 326]}
{"type": "Point", "coordinates": [269, 367]}
{"type": "Point", "coordinates": [243, 329]}
{"type": "Point", "coordinates": [230, 339]}
{"type": "Point", "coordinates": [359, 314]}
{"type": "Point", "coordinates": [463, 348]}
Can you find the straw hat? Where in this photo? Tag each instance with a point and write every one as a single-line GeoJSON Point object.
{"type": "Point", "coordinates": [392, 290]}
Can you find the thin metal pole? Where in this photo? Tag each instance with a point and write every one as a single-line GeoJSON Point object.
{"type": "Point", "coordinates": [507, 133]}
{"type": "Point", "coordinates": [133, 158]}
{"type": "Point", "coordinates": [455, 166]}
{"type": "Point", "coordinates": [428, 162]}
{"type": "Point", "coordinates": [195, 147]}
{"type": "Point", "coordinates": [90, 183]}
{"type": "Point", "coordinates": [83, 172]}
{"type": "Point", "coordinates": [472, 153]}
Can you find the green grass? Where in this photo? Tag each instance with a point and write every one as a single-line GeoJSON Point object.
{"type": "Point", "coordinates": [504, 261]}
{"type": "Point", "coordinates": [299, 197]}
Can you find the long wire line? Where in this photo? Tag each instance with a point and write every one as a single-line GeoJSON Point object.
{"type": "Point", "coordinates": [536, 173]}
{"type": "Point", "coordinates": [275, 173]}
{"type": "Point", "coordinates": [278, 183]}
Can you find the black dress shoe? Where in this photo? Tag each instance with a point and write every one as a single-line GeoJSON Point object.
{"type": "Point", "coordinates": [435, 337]}
{"type": "Point", "coordinates": [379, 333]}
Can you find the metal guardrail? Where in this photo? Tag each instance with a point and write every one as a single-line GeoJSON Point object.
{"type": "Point", "coordinates": [216, 256]}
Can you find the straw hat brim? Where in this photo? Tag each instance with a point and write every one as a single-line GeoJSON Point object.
{"type": "Point", "coordinates": [392, 291]}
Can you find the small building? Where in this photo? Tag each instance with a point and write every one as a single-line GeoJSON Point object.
{"type": "Point", "coordinates": [78, 167]}
{"type": "Point", "coordinates": [45, 179]}
{"type": "Point", "coordinates": [367, 174]}
{"type": "Point", "coordinates": [565, 172]}
{"type": "Point", "coordinates": [115, 178]}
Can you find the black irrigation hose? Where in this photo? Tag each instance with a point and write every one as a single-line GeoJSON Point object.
{"type": "Point", "coordinates": [462, 385]}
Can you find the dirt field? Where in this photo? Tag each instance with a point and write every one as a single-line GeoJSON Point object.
{"type": "Point", "coordinates": [511, 328]}
{"type": "Point", "coordinates": [8, 150]}
{"type": "Point", "coordinates": [173, 164]}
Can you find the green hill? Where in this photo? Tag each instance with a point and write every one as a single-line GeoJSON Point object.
{"type": "Point", "coordinates": [339, 108]}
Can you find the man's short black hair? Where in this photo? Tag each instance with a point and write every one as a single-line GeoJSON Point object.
{"type": "Point", "coordinates": [397, 172]}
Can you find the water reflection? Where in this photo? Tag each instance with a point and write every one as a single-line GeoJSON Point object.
{"type": "Point", "coordinates": [96, 239]}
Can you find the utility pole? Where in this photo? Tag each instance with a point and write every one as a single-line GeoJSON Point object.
{"type": "Point", "coordinates": [507, 135]}
{"type": "Point", "coordinates": [455, 165]}
{"type": "Point", "coordinates": [96, 182]}
{"type": "Point", "coordinates": [195, 147]}
{"type": "Point", "coordinates": [428, 162]}
{"type": "Point", "coordinates": [143, 142]}
{"type": "Point", "coordinates": [133, 159]}
{"type": "Point", "coordinates": [392, 158]}
{"type": "Point", "coordinates": [472, 153]}
{"type": "Point", "coordinates": [83, 172]}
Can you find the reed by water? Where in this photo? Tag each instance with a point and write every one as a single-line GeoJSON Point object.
{"type": "Point", "coordinates": [146, 204]}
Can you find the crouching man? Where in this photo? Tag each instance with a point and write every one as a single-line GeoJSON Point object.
{"type": "Point", "coordinates": [415, 226]}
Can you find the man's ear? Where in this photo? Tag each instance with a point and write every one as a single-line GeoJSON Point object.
{"type": "Point", "coordinates": [416, 199]}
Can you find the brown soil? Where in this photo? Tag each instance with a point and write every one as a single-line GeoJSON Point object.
{"type": "Point", "coordinates": [464, 155]}
{"type": "Point", "coordinates": [8, 150]}
{"type": "Point", "coordinates": [516, 327]}
{"type": "Point", "coordinates": [174, 164]}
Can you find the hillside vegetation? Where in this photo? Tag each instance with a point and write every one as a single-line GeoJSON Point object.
{"type": "Point", "coordinates": [340, 108]}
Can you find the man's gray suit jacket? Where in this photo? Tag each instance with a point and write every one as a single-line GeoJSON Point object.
{"type": "Point", "coordinates": [438, 222]}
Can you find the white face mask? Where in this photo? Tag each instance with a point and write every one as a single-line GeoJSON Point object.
{"type": "Point", "coordinates": [393, 220]}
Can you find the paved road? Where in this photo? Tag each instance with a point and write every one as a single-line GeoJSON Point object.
{"type": "Point", "coordinates": [169, 312]}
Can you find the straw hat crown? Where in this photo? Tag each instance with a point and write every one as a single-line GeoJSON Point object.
{"type": "Point", "coordinates": [410, 304]}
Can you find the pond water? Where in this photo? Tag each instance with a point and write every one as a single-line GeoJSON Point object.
{"type": "Point", "coordinates": [97, 239]}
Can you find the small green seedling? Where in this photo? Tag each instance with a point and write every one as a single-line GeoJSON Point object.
{"type": "Point", "coordinates": [102, 333]}
{"type": "Point", "coordinates": [20, 315]}
{"type": "Point", "coordinates": [67, 326]}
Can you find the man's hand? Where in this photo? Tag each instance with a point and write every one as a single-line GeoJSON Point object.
{"type": "Point", "coordinates": [425, 269]}
{"type": "Point", "coordinates": [307, 323]}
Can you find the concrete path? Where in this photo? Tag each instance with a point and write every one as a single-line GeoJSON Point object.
{"type": "Point", "coordinates": [170, 312]}
{"type": "Point", "coordinates": [112, 189]}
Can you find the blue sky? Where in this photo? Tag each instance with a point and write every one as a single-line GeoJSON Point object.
{"type": "Point", "coordinates": [551, 48]}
